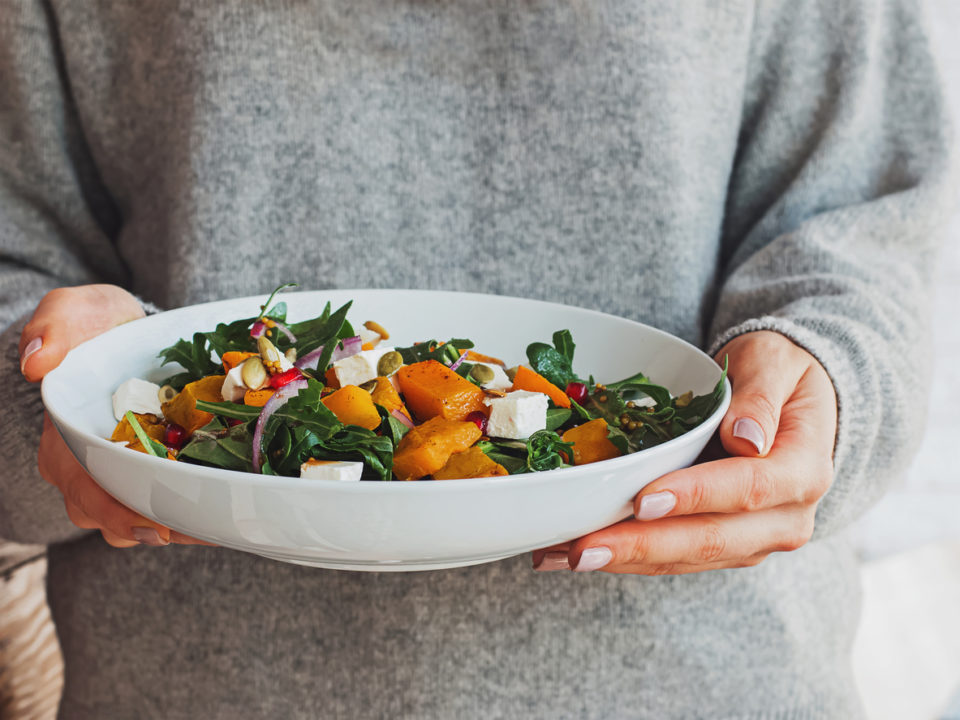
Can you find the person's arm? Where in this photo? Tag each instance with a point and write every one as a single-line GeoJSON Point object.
{"type": "Point", "coordinates": [840, 187]}
{"type": "Point", "coordinates": [56, 225]}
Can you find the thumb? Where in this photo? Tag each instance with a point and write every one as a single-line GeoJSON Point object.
{"type": "Point", "coordinates": [67, 317]}
{"type": "Point", "coordinates": [765, 369]}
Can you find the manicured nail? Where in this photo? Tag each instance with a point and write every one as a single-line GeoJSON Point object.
{"type": "Point", "coordinates": [29, 350]}
{"type": "Point", "coordinates": [749, 429]}
{"type": "Point", "coordinates": [148, 536]}
{"type": "Point", "coordinates": [656, 505]}
{"type": "Point", "coordinates": [553, 561]}
{"type": "Point", "coordinates": [594, 558]}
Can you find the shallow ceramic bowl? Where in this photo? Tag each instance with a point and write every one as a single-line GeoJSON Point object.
{"type": "Point", "coordinates": [381, 525]}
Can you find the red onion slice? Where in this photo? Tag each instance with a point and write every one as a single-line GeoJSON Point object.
{"type": "Point", "coordinates": [286, 331]}
{"type": "Point", "coordinates": [349, 346]}
{"type": "Point", "coordinates": [402, 418]}
{"type": "Point", "coordinates": [309, 360]}
{"type": "Point", "coordinates": [456, 363]}
{"type": "Point", "coordinates": [276, 401]}
{"type": "Point", "coordinates": [257, 329]}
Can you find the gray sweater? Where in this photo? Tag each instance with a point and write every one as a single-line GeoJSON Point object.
{"type": "Point", "coordinates": [706, 167]}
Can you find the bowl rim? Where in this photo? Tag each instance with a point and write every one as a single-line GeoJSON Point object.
{"type": "Point", "coordinates": [524, 480]}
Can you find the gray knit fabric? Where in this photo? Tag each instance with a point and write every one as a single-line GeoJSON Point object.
{"type": "Point", "coordinates": [706, 167]}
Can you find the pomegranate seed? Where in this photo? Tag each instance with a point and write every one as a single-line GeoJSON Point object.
{"type": "Point", "coordinates": [174, 436]}
{"type": "Point", "coordinates": [478, 419]}
{"type": "Point", "coordinates": [234, 421]}
{"type": "Point", "coordinates": [280, 379]}
{"type": "Point", "coordinates": [577, 392]}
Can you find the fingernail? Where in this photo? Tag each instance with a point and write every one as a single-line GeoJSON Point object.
{"type": "Point", "coordinates": [148, 536]}
{"type": "Point", "coordinates": [29, 350]}
{"type": "Point", "coordinates": [750, 430]}
{"type": "Point", "coordinates": [656, 505]}
{"type": "Point", "coordinates": [594, 558]}
{"type": "Point", "coordinates": [553, 561]}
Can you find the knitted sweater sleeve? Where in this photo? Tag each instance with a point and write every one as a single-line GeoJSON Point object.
{"type": "Point", "coordinates": [842, 182]}
{"type": "Point", "coordinates": [55, 228]}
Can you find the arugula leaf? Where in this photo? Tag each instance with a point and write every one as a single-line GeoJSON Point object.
{"type": "Point", "coordinates": [193, 356]}
{"type": "Point", "coordinates": [230, 410]}
{"type": "Point", "coordinates": [324, 330]}
{"type": "Point", "coordinates": [702, 406]}
{"type": "Point", "coordinates": [445, 353]}
{"type": "Point", "coordinates": [152, 447]}
{"type": "Point", "coordinates": [563, 342]}
{"type": "Point", "coordinates": [544, 450]}
{"type": "Point", "coordinates": [357, 443]}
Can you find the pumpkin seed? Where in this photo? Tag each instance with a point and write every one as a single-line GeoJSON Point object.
{"type": "Point", "coordinates": [291, 354]}
{"type": "Point", "coordinates": [389, 363]}
{"type": "Point", "coordinates": [253, 372]}
{"type": "Point", "coordinates": [377, 328]}
{"type": "Point", "coordinates": [512, 372]}
{"type": "Point", "coordinates": [369, 385]}
{"type": "Point", "coordinates": [268, 351]}
{"type": "Point", "coordinates": [166, 394]}
{"type": "Point", "coordinates": [481, 373]}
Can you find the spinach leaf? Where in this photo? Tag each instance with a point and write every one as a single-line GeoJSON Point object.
{"type": "Point", "coordinates": [324, 331]}
{"type": "Point", "coordinates": [556, 417]}
{"type": "Point", "coordinates": [509, 453]}
{"type": "Point", "coordinates": [357, 443]}
{"type": "Point", "coordinates": [221, 446]}
{"type": "Point", "coordinates": [702, 406]}
{"type": "Point", "coordinates": [554, 363]}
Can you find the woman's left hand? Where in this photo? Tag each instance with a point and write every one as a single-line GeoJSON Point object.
{"type": "Point", "coordinates": [735, 511]}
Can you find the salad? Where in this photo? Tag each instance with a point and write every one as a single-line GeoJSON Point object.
{"type": "Point", "coordinates": [323, 399]}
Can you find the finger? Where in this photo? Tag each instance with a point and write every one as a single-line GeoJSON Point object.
{"type": "Point", "coordinates": [86, 500]}
{"type": "Point", "coordinates": [67, 317]}
{"type": "Point", "coordinates": [698, 541]}
{"type": "Point", "coordinates": [554, 557]}
{"type": "Point", "coordinates": [764, 369]}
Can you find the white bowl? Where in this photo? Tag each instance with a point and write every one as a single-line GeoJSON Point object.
{"type": "Point", "coordinates": [381, 525]}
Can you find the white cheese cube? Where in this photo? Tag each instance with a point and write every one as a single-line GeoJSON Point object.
{"type": "Point", "coordinates": [138, 395]}
{"type": "Point", "coordinates": [331, 470]}
{"type": "Point", "coordinates": [360, 368]}
{"type": "Point", "coordinates": [368, 337]}
{"type": "Point", "coordinates": [234, 388]}
{"type": "Point", "coordinates": [518, 415]}
{"type": "Point", "coordinates": [500, 380]}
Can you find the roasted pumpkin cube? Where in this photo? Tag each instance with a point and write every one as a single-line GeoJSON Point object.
{"type": "Point", "coordinates": [590, 443]}
{"type": "Point", "coordinates": [470, 463]}
{"type": "Point", "coordinates": [353, 406]}
{"type": "Point", "coordinates": [426, 448]}
{"type": "Point", "coordinates": [182, 409]}
{"type": "Point", "coordinates": [233, 358]}
{"type": "Point", "coordinates": [431, 389]}
{"type": "Point", "coordinates": [151, 424]}
{"type": "Point", "coordinates": [386, 395]}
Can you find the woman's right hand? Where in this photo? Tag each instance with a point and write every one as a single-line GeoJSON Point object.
{"type": "Point", "coordinates": [65, 318]}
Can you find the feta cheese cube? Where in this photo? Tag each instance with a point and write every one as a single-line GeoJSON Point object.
{"type": "Point", "coordinates": [360, 368]}
{"type": "Point", "coordinates": [500, 380]}
{"type": "Point", "coordinates": [517, 415]}
{"type": "Point", "coordinates": [234, 388]}
{"type": "Point", "coordinates": [331, 470]}
{"type": "Point", "coordinates": [138, 395]}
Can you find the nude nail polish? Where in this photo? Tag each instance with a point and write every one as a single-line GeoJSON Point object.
{"type": "Point", "coordinates": [594, 558]}
{"type": "Point", "coordinates": [29, 350]}
{"type": "Point", "coordinates": [749, 429]}
{"type": "Point", "coordinates": [656, 505]}
{"type": "Point", "coordinates": [553, 561]}
{"type": "Point", "coordinates": [148, 536]}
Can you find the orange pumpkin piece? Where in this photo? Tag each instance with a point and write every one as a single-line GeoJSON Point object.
{"type": "Point", "coordinates": [470, 463]}
{"type": "Point", "coordinates": [426, 448]}
{"type": "Point", "coordinates": [473, 356]}
{"type": "Point", "coordinates": [353, 406]}
{"type": "Point", "coordinates": [151, 424]}
{"type": "Point", "coordinates": [330, 378]}
{"type": "Point", "coordinates": [386, 395]}
{"type": "Point", "coordinates": [182, 409]}
{"type": "Point", "coordinates": [257, 398]}
{"type": "Point", "coordinates": [232, 358]}
{"type": "Point", "coordinates": [527, 379]}
{"type": "Point", "coordinates": [590, 443]}
{"type": "Point", "coordinates": [431, 389]}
